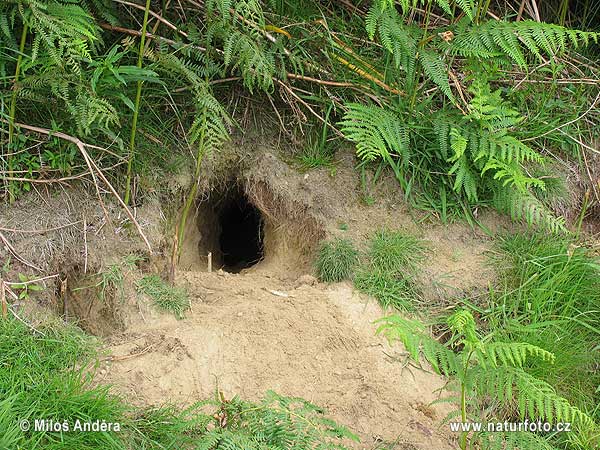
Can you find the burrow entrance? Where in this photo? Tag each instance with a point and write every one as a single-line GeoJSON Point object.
{"type": "Point", "coordinates": [230, 228]}
{"type": "Point", "coordinates": [240, 226]}
{"type": "Point", "coordinates": [243, 223]}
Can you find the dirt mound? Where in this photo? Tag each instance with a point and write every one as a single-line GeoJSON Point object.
{"type": "Point", "coordinates": [271, 326]}
{"type": "Point", "coordinates": [252, 332]}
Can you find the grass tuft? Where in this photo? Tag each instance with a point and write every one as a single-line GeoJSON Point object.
{"type": "Point", "coordinates": [314, 158]}
{"type": "Point", "coordinates": [43, 377]}
{"type": "Point", "coordinates": [336, 260]}
{"type": "Point", "coordinates": [395, 252]}
{"type": "Point", "coordinates": [549, 296]}
{"type": "Point", "coordinates": [389, 276]}
{"type": "Point", "coordinates": [390, 291]}
{"type": "Point", "coordinates": [169, 298]}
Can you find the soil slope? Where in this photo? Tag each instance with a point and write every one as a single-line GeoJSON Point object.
{"type": "Point", "coordinates": [252, 332]}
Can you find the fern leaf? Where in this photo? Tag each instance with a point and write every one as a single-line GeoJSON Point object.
{"type": "Point", "coordinates": [525, 206]}
{"type": "Point", "coordinates": [377, 132]}
{"type": "Point", "coordinates": [514, 353]}
{"type": "Point", "coordinates": [414, 338]}
{"type": "Point", "coordinates": [511, 38]}
{"type": "Point", "coordinates": [468, 6]}
{"type": "Point", "coordinates": [510, 440]}
{"type": "Point", "coordinates": [436, 70]}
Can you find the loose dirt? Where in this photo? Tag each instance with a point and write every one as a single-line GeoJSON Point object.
{"type": "Point", "coordinates": [271, 326]}
{"type": "Point", "coordinates": [251, 332]}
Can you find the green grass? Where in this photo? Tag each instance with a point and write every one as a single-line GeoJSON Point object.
{"type": "Point", "coordinates": [40, 377]}
{"type": "Point", "coordinates": [336, 260]}
{"type": "Point", "coordinates": [390, 291]}
{"type": "Point", "coordinates": [46, 376]}
{"type": "Point", "coordinates": [549, 296]}
{"type": "Point", "coordinates": [314, 157]}
{"type": "Point", "coordinates": [393, 258]}
{"type": "Point", "coordinates": [318, 151]}
{"type": "Point", "coordinates": [395, 252]}
{"type": "Point", "coordinates": [168, 298]}
{"type": "Point", "coordinates": [109, 283]}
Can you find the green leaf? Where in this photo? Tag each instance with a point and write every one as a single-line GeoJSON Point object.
{"type": "Point", "coordinates": [436, 70]}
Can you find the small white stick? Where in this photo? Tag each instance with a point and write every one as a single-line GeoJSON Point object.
{"type": "Point", "coordinates": [85, 246]}
{"type": "Point", "coordinates": [278, 293]}
{"type": "Point", "coordinates": [209, 262]}
{"type": "Point", "coordinates": [3, 299]}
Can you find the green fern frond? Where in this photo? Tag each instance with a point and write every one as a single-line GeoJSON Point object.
{"type": "Point", "coordinates": [514, 353]}
{"type": "Point", "coordinates": [397, 37]}
{"type": "Point", "coordinates": [511, 39]}
{"type": "Point", "coordinates": [377, 132]}
{"type": "Point", "coordinates": [413, 336]}
{"type": "Point", "coordinates": [511, 440]}
{"type": "Point", "coordinates": [276, 422]}
{"type": "Point", "coordinates": [92, 112]}
{"type": "Point", "coordinates": [372, 19]}
{"type": "Point", "coordinates": [65, 30]}
{"type": "Point", "coordinates": [407, 5]}
{"type": "Point", "coordinates": [436, 70]}
{"type": "Point", "coordinates": [468, 6]}
{"type": "Point", "coordinates": [441, 127]}
{"type": "Point", "coordinates": [238, 26]}
{"type": "Point", "coordinates": [511, 174]}
{"type": "Point", "coordinates": [465, 179]}
{"type": "Point", "coordinates": [525, 206]}
{"type": "Point", "coordinates": [462, 323]}
{"type": "Point", "coordinates": [487, 370]}
{"type": "Point", "coordinates": [535, 399]}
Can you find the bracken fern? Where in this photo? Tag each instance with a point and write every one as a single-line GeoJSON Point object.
{"type": "Point", "coordinates": [484, 368]}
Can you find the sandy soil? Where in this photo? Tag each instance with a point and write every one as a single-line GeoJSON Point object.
{"type": "Point", "coordinates": [317, 342]}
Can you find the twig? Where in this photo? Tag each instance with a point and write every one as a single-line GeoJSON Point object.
{"type": "Point", "coordinates": [63, 295]}
{"type": "Point", "coordinates": [318, 81]}
{"type": "Point", "coordinates": [536, 13]}
{"type": "Point", "coordinates": [46, 230]}
{"type": "Point", "coordinates": [530, 73]}
{"type": "Point", "coordinates": [85, 246]}
{"type": "Point", "coordinates": [593, 105]}
{"type": "Point", "coordinates": [109, 27]}
{"type": "Point", "coordinates": [368, 76]}
{"type": "Point", "coordinates": [45, 181]}
{"type": "Point", "coordinates": [277, 293]}
{"type": "Point", "coordinates": [3, 299]}
{"type": "Point", "coordinates": [10, 292]}
{"type": "Point", "coordinates": [36, 280]}
{"type": "Point", "coordinates": [312, 111]}
{"type": "Point", "coordinates": [592, 149]}
{"type": "Point", "coordinates": [520, 13]}
{"type": "Point", "coordinates": [155, 15]}
{"type": "Point", "coordinates": [15, 254]}
{"type": "Point", "coordinates": [31, 327]}
{"type": "Point", "coordinates": [588, 81]}
{"type": "Point", "coordinates": [125, 357]}
{"type": "Point", "coordinates": [93, 168]}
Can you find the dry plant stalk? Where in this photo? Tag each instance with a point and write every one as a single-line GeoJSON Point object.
{"type": "Point", "coordinates": [3, 299]}
{"type": "Point", "coordinates": [92, 167]}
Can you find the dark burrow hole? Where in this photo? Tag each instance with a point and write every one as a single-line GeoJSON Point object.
{"type": "Point", "coordinates": [231, 229]}
{"type": "Point", "coordinates": [240, 226]}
